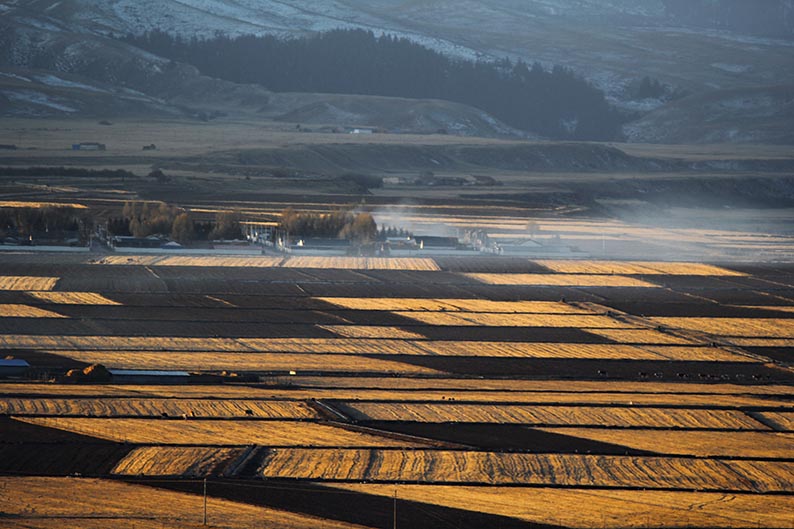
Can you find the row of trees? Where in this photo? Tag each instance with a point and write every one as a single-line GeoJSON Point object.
{"type": "Point", "coordinates": [340, 224]}
{"type": "Point", "coordinates": [142, 219]}
{"type": "Point", "coordinates": [46, 222]}
{"type": "Point", "coordinates": [552, 102]}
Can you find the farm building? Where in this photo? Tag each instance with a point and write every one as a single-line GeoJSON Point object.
{"type": "Point", "coordinates": [13, 367]}
{"type": "Point", "coordinates": [145, 376]}
{"type": "Point", "coordinates": [319, 246]}
{"type": "Point", "coordinates": [259, 232]}
{"type": "Point", "coordinates": [436, 243]}
{"type": "Point", "coordinates": [124, 241]}
{"type": "Point", "coordinates": [89, 146]}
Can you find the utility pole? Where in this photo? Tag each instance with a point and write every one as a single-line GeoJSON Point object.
{"type": "Point", "coordinates": [205, 501]}
{"type": "Point", "coordinates": [395, 508]}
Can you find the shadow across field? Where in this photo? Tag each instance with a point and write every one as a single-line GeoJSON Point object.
{"type": "Point", "coordinates": [505, 437]}
{"type": "Point", "coordinates": [31, 450]}
{"type": "Point", "coordinates": [352, 507]}
{"type": "Point", "coordinates": [599, 369]}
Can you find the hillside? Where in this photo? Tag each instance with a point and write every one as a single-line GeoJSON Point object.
{"type": "Point", "coordinates": [612, 42]}
{"type": "Point", "coordinates": [695, 47]}
{"type": "Point", "coordinates": [752, 115]}
{"type": "Point", "coordinates": [49, 68]}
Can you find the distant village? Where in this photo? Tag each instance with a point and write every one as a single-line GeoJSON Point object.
{"type": "Point", "coordinates": [155, 227]}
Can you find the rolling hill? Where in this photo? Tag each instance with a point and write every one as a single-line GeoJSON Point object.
{"type": "Point", "coordinates": [697, 47]}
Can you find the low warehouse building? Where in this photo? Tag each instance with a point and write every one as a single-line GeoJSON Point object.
{"type": "Point", "coordinates": [13, 367]}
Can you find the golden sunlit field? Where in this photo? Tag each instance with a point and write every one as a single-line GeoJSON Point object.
{"type": "Point", "coordinates": [616, 417]}
{"type": "Point", "coordinates": [593, 508]}
{"type": "Point", "coordinates": [570, 470]}
{"type": "Point", "coordinates": [562, 280]}
{"type": "Point", "coordinates": [24, 311]}
{"type": "Point", "coordinates": [71, 503]}
{"type": "Point", "coordinates": [216, 432]}
{"type": "Point", "coordinates": [27, 283]}
{"type": "Point", "coordinates": [636, 268]}
{"type": "Point", "coordinates": [484, 393]}
{"type": "Point", "coordinates": [72, 298]}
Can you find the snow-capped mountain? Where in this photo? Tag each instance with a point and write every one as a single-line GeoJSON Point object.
{"type": "Point", "coordinates": [693, 46]}
{"type": "Point", "coordinates": [685, 43]}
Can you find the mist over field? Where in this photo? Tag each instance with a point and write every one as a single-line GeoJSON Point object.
{"type": "Point", "coordinates": [661, 71]}
{"type": "Point", "coordinates": [369, 264]}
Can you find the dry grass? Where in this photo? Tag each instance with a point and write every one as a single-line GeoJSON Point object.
{"type": "Point", "coordinates": [10, 392]}
{"type": "Point", "coordinates": [697, 354]}
{"type": "Point", "coordinates": [537, 350]}
{"type": "Point", "coordinates": [744, 327]}
{"type": "Point", "coordinates": [217, 433]}
{"type": "Point", "coordinates": [694, 443]}
{"type": "Point", "coordinates": [540, 386]}
{"type": "Point", "coordinates": [39, 205]}
{"type": "Point", "coordinates": [137, 407]}
{"type": "Point", "coordinates": [27, 283]}
{"type": "Point", "coordinates": [777, 308]}
{"type": "Point", "coordinates": [363, 263]}
{"type": "Point", "coordinates": [455, 305]}
{"type": "Point", "coordinates": [568, 470]}
{"type": "Point", "coordinates": [597, 509]}
{"type": "Point", "coordinates": [766, 476]}
{"type": "Point", "coordinates": [782, 420]}
{"type": "Point", "coordinates": [640, 336]}
{"type": "Point", "coordinates": [261, 362]}
{"type": "Point", "coordinates": [462, 392]}
{"type": "Point", "coordinates": [191, 260]}
{"type": "Point", "coordinates": [489, 319]}
{"type": "Point", "coordinates": [342, 262]}
{"type": "Point", "coordinates": [372, 331]}
{"type": "Point", "coordinates": [195, 461]}
{"type": "Point", "coordinates": [561, 280]}
{"type": "Point", "coordinates": [331, 345]}
{"type": "Point", "coordinates": [762, 342]}
{"type": "Point", "coordinates": [49, 390]}
{"type": "Point", "coordinates": [636, 268]}
{"type": "Point", "coordinates": [557, 415]}
{"type": "Point", "coordinates": [10, 310]}
{"type": "Point", "coordinates": [73, 298]}
{"type": "Point", "coordinates": [72, 503]}
{"type": "Point", "coordinates": [119, 343]}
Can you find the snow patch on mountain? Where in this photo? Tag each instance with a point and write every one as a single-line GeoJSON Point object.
{"type": "Point", "coordinates": [52, 80]}
{"type": "Point", "coordinates": [37, 98]}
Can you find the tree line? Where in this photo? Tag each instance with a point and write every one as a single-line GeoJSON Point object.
{"type": "Point", "coordinates": [43, 222]}
{"type": "Point", "coordinates": [142, 219]}
{"type": "Point", "coordinates": [339, 224]}
{"type": "Point", "coordinates": [552, 102]}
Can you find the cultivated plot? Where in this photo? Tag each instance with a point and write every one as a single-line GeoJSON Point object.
{"type": "Point", "coordinates": [561, 280]}
{"type": "Point", "coordinates": [71, 503]}
{"type": "Point", "coordinates": [635, 268]}
{"type": "Point", "coordinates": [570, 470]}
{"type": "Point", "coordinates": [616, 417]}
{"type": "Point", "coordinates": [138, 407]}
{"type": "Point", "coordinates": [597, 509]}
{"type": "Point", "coordinates": [27, 283]}
{"type": "Point", "coordinates": [72, 298]}
{"type": "Point", "coordinates": [12, 310]}
{"type": "Point", "coordinates": [217, 432]}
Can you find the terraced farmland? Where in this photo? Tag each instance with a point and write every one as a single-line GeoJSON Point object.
{"type": "Point", "coordinates": [440, 466]}
{"type": "Point", "coordinates": [27, 283]}
{"type": "Point", "coordinates": [592, 508]}
{"type": "Point", "coordinates": [627, 394]}
{"type": "Point", "coordinates": [216, 432]}
{"type": "Point", "coordinates": [616, 417]}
